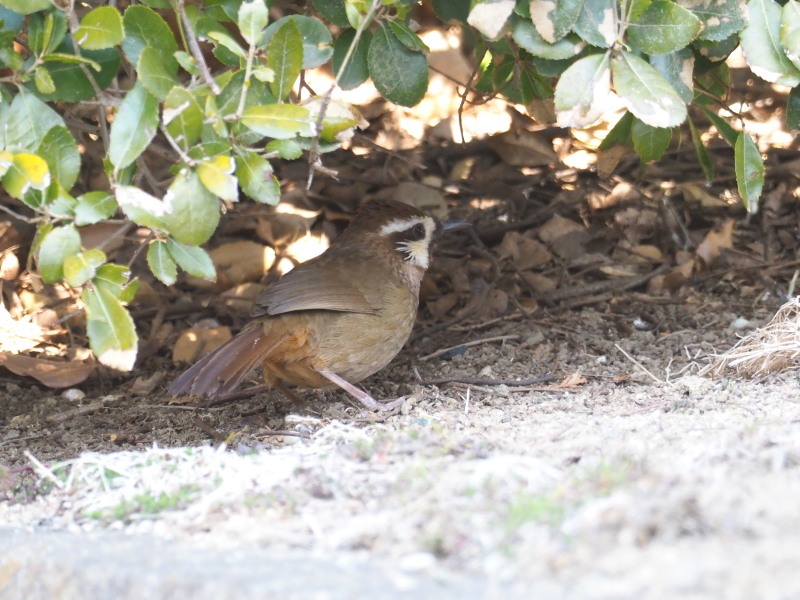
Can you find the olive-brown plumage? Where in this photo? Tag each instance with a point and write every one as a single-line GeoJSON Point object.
{"type": "Point", "coordinates": [335, 319]}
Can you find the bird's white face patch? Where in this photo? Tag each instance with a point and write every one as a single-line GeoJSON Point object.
{"type": "Point", "coordinates": [416, 251]}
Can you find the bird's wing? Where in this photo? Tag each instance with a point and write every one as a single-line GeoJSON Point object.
{"type": "Point", "coordinates": [313, 286]}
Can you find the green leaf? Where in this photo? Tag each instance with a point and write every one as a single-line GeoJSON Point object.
{"type": "Point", "coordinates": [285, 149]}
{"type": "Point", "coordinates": [142, 208]}
{"type": "Point", "coordinates": [762, 50]}
{"type": "Point", "coordinates": [645, 92]}
{"type": "Point", "coordinates": [356, 72]}
{"type": "Point", "coordinates": [46, 31]}
{"type": "Point", "coordinates": [157, 75]}
{"type": "Point", "coordinates": [224, 39]}
{"type": "Point", "coordinates": [582, 91]}
{"type": "Point", "coordinates": [194, 211]}
{"type": "Point", "coordinates": [26, 7]}
{"type": "Point", "coordinates": [727, 132]}
{"type": "Point", "coordinates": [597, 23]}
{"type": "Point", "coordinates": [135, 125]}
{"type": "Point", "coordinates": [649, 142]}
{"type": "Point", "coordinates": [81, 267]}
{"type": "Point", "coordinates": [451, 10]}
{"type": "Point", "coordinates": [29, 119]}
{"type": "Point", "coordinates": [749, 168]}
{"type": "Point", "coordinates": [490, 17]}
{"type": "Point", "coordinates": [59, 202]}
{"type": "Point", "coordinates": [717, 50]}
{"type": "Point", "coordinates": [793, 110]}
{"type": "Point", "coordinates": [215, 175]}
{"type": "Point", "coordinates": [111, 331]}
{"type": "Point", "coordinates": [192, 259]}
{"type": "Point", "coordinates": [554, 18]}
{"type": "Point", "coordinates": [407, 37]}
{"type": "Point", "coordinates": [721, 18]}
{"type": "Point", "coordinates": [72, 85]}
{"type": "Point", "coordinates": [60, 151]}
{"type": "Point", "coordinates": [26, 172]}
{"type": "Point", "coordinates": [116, 280]}
{"type": "Point", "coordinates": [333, 11]}
{"type": "Point", "coordinates": [527, 37]}
{"type": "Point", "coordinates": [316, 40]}
{"type": "Point", "coordinates": [183, 116]}
{"type": "Point", "coordinates": [279, 120]}
{"type": "Point", "coordinates": [399, 74]}
{"type": "Point", "coordinates": [619, 134]}
{"type": "Point", "coordinates": [678, 69]}
{"type": "Point", "coordinates": [663, 28]}
{"type": "Point", "coordinates": [161, 263]}
{"type": "Point", "coordinates": [100, 28]}
{"type": "Point", "coordinates": [256, 178]}
{"type": "Point", "coordinates": [57, 245]}
{"type": "Point", "coordinates": [790, 31]}
{"type": "Point", "coordinates": [700, 149]}
{"type": "Point", "coordinates": [145, 28]}
{"type": "Point", "coordinates": [93, 207]}
{"type": "Point", "coordinates": [252, 19]}
{"type": "Point", "coordinates": [285, 58]}
{"type": "Point", "coordinates": [44, 83]}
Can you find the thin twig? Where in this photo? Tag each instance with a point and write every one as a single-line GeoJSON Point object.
{"type": "Point", "coordinates": [489, 340]}
{"type": "Point", "coordinates": [640, 365]}
{"type": "Point", "coordinates": [44, 471]}
{"type": "Point", "coordinates": [194, 48]}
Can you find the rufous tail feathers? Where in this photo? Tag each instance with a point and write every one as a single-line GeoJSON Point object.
{"type": "Point", "coordinates": [221, 371]}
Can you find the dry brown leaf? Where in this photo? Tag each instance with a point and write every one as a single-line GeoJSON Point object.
{"type": "Point", "coordinates": [542, 110]}
{"type": "Point", "coordinates": [709, 249]}
{"type": "Point", "coordinates": [54, 374]}
{"type": "Point", "coordinates": [142, 386]}
{"type": "Point", "coordinates": [107, 234]}
{"type": "Point", "coordinates": [608, 159]}
{"type": "Point", "coordinates": [18, 335]}
{"type": "Point", "coordinates": [524, 251]}
{"type": "Point", "coordinates": [196, 342]}
{"type": "Point", "coordinates": [557, 227]}
{"type": "Point", "coordinates": [539, 283]}
{"type": "Point", "coordinates": [571, 381]}
{"type": "Point", "coordinates": [646, 253]}
{"type": "Point", "coordinates": [620, 270]}
{"type": "Point", "coordinates": [673, 280]}
{"type": "Point", "coordinates": [692, 191]}
{"type": "Point", "coordinates": [241, 298]}
{"type": "Point", "coordinates": [443, 305]}
{"type": "Point", "coordinates": [237, 262]}
{"type": "Point", "coordinates": [425, 198]}
{"type": "Point", "coordinates": [9, 266]}
{"type": "Point", "coordinates": [523, 148]}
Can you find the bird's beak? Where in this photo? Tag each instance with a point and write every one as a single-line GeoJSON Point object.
{"type": "Point", "coordinates": [451, 226]}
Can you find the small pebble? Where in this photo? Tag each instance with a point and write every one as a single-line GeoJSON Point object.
{"type": "Point", "coordinates": [73, 395]}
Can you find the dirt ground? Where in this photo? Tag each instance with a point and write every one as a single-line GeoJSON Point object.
{"type": "Point", "coordinates": [644, 481]}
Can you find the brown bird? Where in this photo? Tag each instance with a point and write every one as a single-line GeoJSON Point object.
{"type": "Point", "coordinates": [335, 319]}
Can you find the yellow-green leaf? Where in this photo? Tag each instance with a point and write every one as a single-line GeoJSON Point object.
{"type": "Point", "coordinates": [215, 174]}
{"type": "Point", "coordinates": [27, 171]}
{"type": "Point", "coordinates": [100, 28]}
{"type": "Point", "coordinates": [81, 267]}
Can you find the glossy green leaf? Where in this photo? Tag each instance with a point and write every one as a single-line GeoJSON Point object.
{"type": "Point", "coordinates": [161, 263]}
{"type": "Point", "coordinates": [582, 91]}
{"type": "Point", "coordinates": [285, 58]}
{"type": "Point", "coordinates": [451, 10]}
{"type": "Point", "coordinates": [663, 28]}
{"type": "Point", "coordinates": [252, 19]}
{"type": "Point", "coordinates": [192, 259]}
{"type": "Point", "coordinates": [145, 28]}
{"type": "Point", "coordinates": [183, 116]}
{"type": "Point", "coordinates": [256, 177]}
{"type": "Point", "coordinates": [793, 110]}
{"type": "Point", "coordinates": [81, 267]}
{"type": "Point", "coordinates": [399, 74]}
{"type": "Point", "coordinates": [46, 31]}
{"type": "Point", "coordinates": [316, 40]}
{"type": "Point", "coordinates": [60, 150]}
{"type": "Point", "coordinates": [43, 80]}
{"type": "Point", "coordinates": [645, 92]}
{"type": "Point", "coordinates": [100, 28]}
{"type": "Point", "coordinates": [703, 157]}
{"type": "Point", "coordinates": [749, 168]}
{"type": "Point", "coordinates": [554, 18]}
{"type": "Point", "coordinates": [721, 18]}
{"type": "Point", "coordinates": [28, 120]}
{"type": "Point", "coordinates": [57, 245]}
{"type": "Point", "coordinates": [60, 203]}
{"type": "Point", "coordinates": [790, 31]}
{"type": "Point", "coordinates": [407, 37]}
{"type": "Point", "coordinates": [142, 208]}
{"type": "Point", "coordinates": [279, 120]}
{"type": "Point", "coordinates": [117, 280]}
{"type": "Point", "coordinates": [285, 149]}
{"type": "Point", "coordinates": [93, 207]}
{"type": "Point", "coordinates": [678, 69]}
{"type": "Point", "coordinates": [597, 23]}
{"type": "Point", "coordinates": [157, 75]}
{"type": "Point", "coordinates": [333, 11]}
{"type": "Point", "coordinates": [26, 7]}
{"type": "Point", "coordinates": [728, 133]}
{"type": "Point", "coordinates": [649, 142]}
{"type": "Point", "coordinates": [490, 17]}
{"type": "Point", "coordinates": [110, 328]}
{"type": "Point", "coordinates": [717, 50]}
{"type": "Point", "coordinates": [526, 35]}
{"type": "Point", "coordinates": [226, 41]}
{"type": "Point", "coordinates": [135, 125]}
{"type": "Point", "coordinates": [356, 72]}
{"type": "Point", "coordinates": [71, 83]}
{"type": "Point", "coordinates": [194, 211]}
{"type": "Point", "coordinates": [762, 49]}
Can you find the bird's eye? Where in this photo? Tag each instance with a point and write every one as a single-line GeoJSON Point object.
{"type": "Point", "coordinates": [418, 231]}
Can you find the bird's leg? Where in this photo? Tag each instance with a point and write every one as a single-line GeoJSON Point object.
{"type": "Point", "coordinates": [298, 401]}
{"type": "Point", "coordinates": [359, 394]}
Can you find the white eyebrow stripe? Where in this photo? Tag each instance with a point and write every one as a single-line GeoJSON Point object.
{"type": "Point", "coordinates": [396, 226]}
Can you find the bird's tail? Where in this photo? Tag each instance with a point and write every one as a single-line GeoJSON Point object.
{"type": "Point", "coordinates": [220, 372]}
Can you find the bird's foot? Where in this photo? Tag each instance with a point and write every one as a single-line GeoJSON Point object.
{"type": "Point", "coordinates": [360, 395]}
